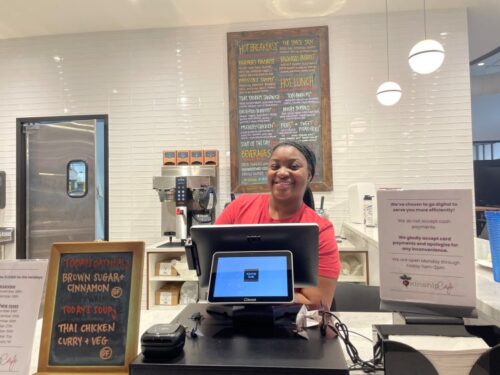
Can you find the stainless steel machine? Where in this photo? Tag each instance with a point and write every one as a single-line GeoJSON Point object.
{"type": "Point", "coordinates": [188, 197]}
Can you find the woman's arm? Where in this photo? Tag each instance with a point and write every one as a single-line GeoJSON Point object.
{"type": "Point", "coordinates": [320, 294]}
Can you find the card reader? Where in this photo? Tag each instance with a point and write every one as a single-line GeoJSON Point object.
{"type": "Point", "coordinates": [163, 341]}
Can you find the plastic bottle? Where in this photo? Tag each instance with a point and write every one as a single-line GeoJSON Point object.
{"type": "Point", "coordinates": [368, 211]}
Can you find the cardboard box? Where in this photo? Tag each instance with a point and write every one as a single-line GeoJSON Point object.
{"type": "Point", "coordinates": [210, 157]}
{"type": "Point", "coordinates": [168, 294]}
{"type": "Point", "coordinates": [196, 157]}
{"type": "Point", "coordinates": [182, 157]}
{"type": "Point", "coordinates": [165, 268]}
{"type": "Point", "coordinates": [169, 157]}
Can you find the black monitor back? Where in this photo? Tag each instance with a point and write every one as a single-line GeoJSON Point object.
{"type": "Point", "coordinates": [300, 238]}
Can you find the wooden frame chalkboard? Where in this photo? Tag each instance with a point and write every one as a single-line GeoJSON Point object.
{"type": "Point", "coordinates": [92, 307]}
{"type": "Point", "coordinates": [279, 89]}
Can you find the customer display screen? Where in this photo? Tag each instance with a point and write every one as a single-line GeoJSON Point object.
{"type": "Point", "coordinates": [251, 277]}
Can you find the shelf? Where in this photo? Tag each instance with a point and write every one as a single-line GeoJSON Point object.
{"type": "Point", "coordinates": [352, 279]}
{"type": "Point", "coordinates": [345, 245]}
{"type": "Point", "coordinates": [167, 307]}
{"type": "Point", "coordinates": [167, 283]}
{"type": "Point", "coordinates": [172, 278]}
{"type": "Point", "coordinates": [356, 262]}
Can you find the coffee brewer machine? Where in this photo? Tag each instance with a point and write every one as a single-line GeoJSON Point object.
{"type": "Point", "coordinates": [188, 196]}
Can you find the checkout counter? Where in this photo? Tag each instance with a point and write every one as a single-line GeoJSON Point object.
{"type": "Point", "coordinates": [488, 304]}
{"type": "Point", "coordinates": [488, 294]}
{"type": "Point", "coordinates": [358, 322]}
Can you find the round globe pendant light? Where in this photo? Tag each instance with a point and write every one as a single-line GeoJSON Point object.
{"type": "Point", "coordinates": [427, 55]}
{"type": "Point", "coordinates": [388, 93]}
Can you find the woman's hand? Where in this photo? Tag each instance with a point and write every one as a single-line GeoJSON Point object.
{"type": "Point", "coordinates": [322, 294]}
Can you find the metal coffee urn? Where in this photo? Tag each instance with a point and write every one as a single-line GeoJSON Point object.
{"type": "Point", "coordinates": [188, 197]}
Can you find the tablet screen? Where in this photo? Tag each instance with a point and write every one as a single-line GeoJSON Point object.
{"type": "Point", "coordinates": [251, 277]}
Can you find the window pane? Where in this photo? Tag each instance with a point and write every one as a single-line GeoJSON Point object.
{"type": "Point", "coordinates": [480, 152]}
{"type": "Point", "coordinates": [487, 151]}
{"type": "Point", "coordinates": [496, 150]}
{"type": "Point", "coordinates": [77, 178]}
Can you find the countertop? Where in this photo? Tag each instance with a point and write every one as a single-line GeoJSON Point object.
{"type": "Point", "coordinates": [359, 323]}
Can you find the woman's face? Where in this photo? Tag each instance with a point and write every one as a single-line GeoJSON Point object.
{"type": "Point", "coordinates": [287, 174]}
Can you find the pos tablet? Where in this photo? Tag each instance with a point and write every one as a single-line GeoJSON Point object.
{"type": "Point", "coordinates": [248, 277]}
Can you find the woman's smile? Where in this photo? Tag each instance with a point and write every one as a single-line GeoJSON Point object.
{"type": "Point", "coordinates": [283, 184]}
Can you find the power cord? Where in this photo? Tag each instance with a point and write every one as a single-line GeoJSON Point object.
{"type": "Point", "coordinates": [197, 318]}
{"type": "Point", "coordinates": [358, 363]}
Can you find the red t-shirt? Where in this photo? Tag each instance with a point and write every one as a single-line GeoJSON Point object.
{"type": "Point", "coordinates": [254, 209]}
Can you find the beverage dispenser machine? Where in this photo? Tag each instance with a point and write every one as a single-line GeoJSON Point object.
{"type": "Point", "coordinates": [188, 197]}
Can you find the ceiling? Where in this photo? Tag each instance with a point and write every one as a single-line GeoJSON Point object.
{"type": "Point", "coordinates": [27, 18]}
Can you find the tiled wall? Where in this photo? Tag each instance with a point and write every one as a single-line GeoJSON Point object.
{"type": "Point", "coordinates": [167, 89]}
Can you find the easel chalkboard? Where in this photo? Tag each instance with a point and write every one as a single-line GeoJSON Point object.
{"type": "Point", "coordinates": [279, 89]}
{"type": "Point", "coordinates": [92, 307]}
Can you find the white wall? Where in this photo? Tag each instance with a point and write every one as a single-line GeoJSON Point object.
{"type": "Point", "coordinates": [172, 94]}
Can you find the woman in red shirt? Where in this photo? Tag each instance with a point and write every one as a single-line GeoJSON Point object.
{"type": "Point", "coordinates": [291, 168]}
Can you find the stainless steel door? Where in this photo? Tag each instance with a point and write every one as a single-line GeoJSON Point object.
{"type": "Point", "coordinates": [60, 184]}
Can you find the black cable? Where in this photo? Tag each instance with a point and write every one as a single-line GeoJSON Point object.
{"type": "Point", "coordinates": [352, 352]}
{"type": "Point", "coordinates": [363, 336]}
{"type": "Point", "coordinates": [197, 318]}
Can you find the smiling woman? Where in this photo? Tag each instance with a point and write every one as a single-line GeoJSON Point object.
{"type": "Point", "coordinates": [291, 168]}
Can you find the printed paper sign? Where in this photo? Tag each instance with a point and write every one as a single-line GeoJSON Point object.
{"type": "Point", "coordinates": [21, 286]}
{"type": "Point", "coordinates": [426, 244]}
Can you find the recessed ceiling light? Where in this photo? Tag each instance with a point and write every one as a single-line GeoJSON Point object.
{"type": "Point", "coordinates": [57, 58]}
{"type": "Point", "coordinates": [480, 64]}
{"type": "Point", "coordinates": [115, 91]}
{"type": "Point", "coordinates": [444, 33]}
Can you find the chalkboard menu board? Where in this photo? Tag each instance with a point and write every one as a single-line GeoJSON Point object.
{"type": "Point", "coordinates": [279, 90]}
{"type": "Point", "coordinates": [92, 306]}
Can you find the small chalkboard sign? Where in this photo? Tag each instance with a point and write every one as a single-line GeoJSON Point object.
{"type": "Point", "coordinates": [92, 307]}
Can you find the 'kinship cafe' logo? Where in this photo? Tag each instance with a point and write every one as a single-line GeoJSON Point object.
{"type": "Point", "coordinates": [406, 280]}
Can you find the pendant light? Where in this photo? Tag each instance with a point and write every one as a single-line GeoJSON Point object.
{"type": "Point", "coordinates": [389, 92]}
{"type": "Point", "coordinates": [427, 55]}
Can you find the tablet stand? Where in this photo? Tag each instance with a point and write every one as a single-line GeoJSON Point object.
{"type": "Point", "coordinates": [254, 316]}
